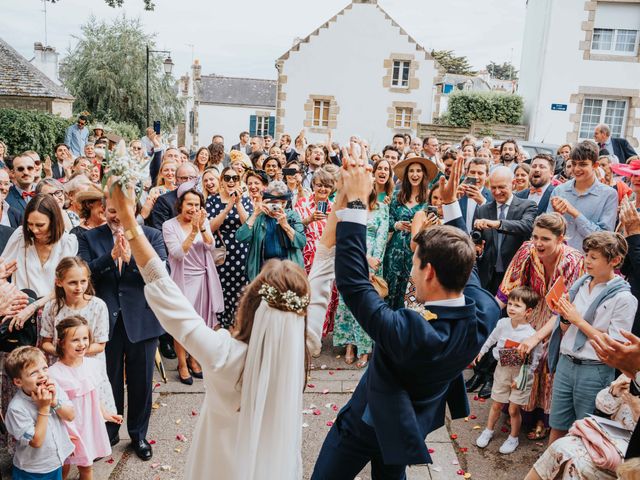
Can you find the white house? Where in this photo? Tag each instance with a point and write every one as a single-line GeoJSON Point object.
{"type": "Point", "coordinates": [358, 73]}
{"type": "Point", "coordinates": [581, 66]}
{"type": "Point", "coordinates": [226, 106]}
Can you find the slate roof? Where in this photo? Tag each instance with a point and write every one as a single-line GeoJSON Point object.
{"type": "Point", "coordinates": [253, 92]}
{"type": "Point", "coordinates": [19, 78]}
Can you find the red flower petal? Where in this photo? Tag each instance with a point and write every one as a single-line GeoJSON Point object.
{"type": "Point", "coordinates": [454, 436]}
{"type": "Point", "coordinates": [460, 472]}
{"type": "Point", "coordinates": [472, 417]}
{"type": "Point", "coordinates": [329, 423]}
{"type": "Point", "coordinates": [152, 442]}
{"type": "Point", "coordinates": [464, 449]}
{"type": "Point", "coordinates": [311, 385]}
{"type": "Point", "coordinates": [317, 412]}
{"type": "Point", "coordinates": [111, 460]}
{"type": "Point", "coordinates": [331, 373]}
{"type": "Point", "coordinates": [431, 450]}
{"type": "Point", "coordinates": [504, 429]}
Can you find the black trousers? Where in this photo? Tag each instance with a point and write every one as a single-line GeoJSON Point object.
{"type": "Point", "coordinates": [138, 361]}
{"type": "Point", "coordinates": [349, 446]}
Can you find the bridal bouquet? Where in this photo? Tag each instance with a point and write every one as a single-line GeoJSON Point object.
{"type": "Point", "coordinates": [126, 170]}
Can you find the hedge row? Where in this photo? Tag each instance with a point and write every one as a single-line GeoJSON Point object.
{"type": "Point", "coordinates": [24, 130]}
{"type": "Point", "coordinates": [486, 107]}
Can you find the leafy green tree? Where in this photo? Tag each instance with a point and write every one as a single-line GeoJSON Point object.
{"type": "Point", "coordinates": [106, 72]}
{"type": "Point", "coordinates": [453, 63]}
{"type": "Point", "coordinates": [148, 4]}
{"type": "Point", "coordinates": [504, 71]}
{"type": "Point", "coordinates": [31, 130]}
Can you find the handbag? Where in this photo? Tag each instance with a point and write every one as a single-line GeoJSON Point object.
{"type": "Point", "coordinates": [380, 285]}
{"type": "Point", "coordinates": [26, 336]}
{"type": "Point", "coordinates": [523, 375]}
{"type": "Point", "coordinates": [219, 253]}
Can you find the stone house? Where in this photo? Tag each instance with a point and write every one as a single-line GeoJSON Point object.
{"type": "Point", "coordinates": [23, 86]}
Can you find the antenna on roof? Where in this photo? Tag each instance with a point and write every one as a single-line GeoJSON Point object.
{"type": "Point", "coordinates": [46, 42]}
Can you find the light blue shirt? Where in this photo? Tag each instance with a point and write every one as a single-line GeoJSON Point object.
{"type": "Point", "coordinates": [76, 139]}
{"type": "Point", "coordinates": [598, 209]}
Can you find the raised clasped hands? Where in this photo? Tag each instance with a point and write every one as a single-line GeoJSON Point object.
{"type": "Point", "coordinates": [449, 187]}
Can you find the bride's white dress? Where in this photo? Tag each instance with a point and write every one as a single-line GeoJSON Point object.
{"type": "Point", "coordinates": [212, 454]}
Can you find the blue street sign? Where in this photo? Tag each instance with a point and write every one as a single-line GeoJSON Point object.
{"type": "Point", "coordinates": [561, 107]}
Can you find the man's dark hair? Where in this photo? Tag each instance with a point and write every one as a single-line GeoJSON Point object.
{"type": "Point", "coordinates": [242, 134]}
{"type": "Point", "coordinates": [526, 295]}
{"type": "Point", "coordinates": [548, 158]}
{"type": "Point", "coordinates": [400, 135]}
{"type": "Point", "coordinates": [393, 149]}
{"type": "Point", "coordinates": [585, 150]}
{"type": "Point", "coordinates": [82, 117]}
{"type": "Point", "coordinates": [511, 140]}
{"type": "Point", "coordinates": [450, 252]}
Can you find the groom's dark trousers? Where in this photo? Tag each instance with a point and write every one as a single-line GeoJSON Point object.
{"type": "Point", "coordinates": [415, 370]}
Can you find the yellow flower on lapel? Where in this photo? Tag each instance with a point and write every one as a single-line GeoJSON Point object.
{"type": "Point", "coordinates": [428, 315]}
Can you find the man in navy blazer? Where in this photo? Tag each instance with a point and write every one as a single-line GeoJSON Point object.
{"type": "Point", "coordinates": [419, 354]}
{"type": "Point", "coordinates": [542, 169]}
{"type": "Point", "coordinates": [133, 327]}
{"type": "Point", "coordinates": [620, 147]}
{"type": "Point", "coordinates": [165, 206]}
{"type": "Point", "coordinates": [23, 188]}
{"type": "Point", "coordinates": [474, 194]}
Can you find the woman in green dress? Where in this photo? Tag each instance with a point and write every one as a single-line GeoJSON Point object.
{"type": "Point", "coordinates": [414, 174]}
{"type": "Point", "coordinates": [347, 331]}
{"type": "Point", "coordinates": [383, 180]}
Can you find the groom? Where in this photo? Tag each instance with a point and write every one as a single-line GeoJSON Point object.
{"type": "Point", "coordinates": [419, 354]}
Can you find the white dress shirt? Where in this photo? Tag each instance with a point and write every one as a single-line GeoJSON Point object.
{"type": "Point", "coordinates": [615, 314]}
{"type": "Point", "coordinates": [5, 214]}
{"type": "Point", "coordinates": [536, 197]}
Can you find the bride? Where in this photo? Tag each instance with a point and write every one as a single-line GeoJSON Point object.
{"type": "Point", "coordinates": [250, 426]}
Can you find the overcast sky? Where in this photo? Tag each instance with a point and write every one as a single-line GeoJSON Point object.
{"type": "Point", "coordinates": [244, 37]}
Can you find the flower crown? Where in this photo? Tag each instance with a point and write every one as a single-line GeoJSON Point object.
{"type": "Point", "coordinates": [288, 301]}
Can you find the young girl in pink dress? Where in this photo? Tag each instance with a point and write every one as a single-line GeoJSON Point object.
{"type": "Point", "coordinates": [79, 377]}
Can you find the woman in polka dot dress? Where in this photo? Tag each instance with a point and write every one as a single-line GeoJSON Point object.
{"type": "Point", "coordinates": [227, 211]}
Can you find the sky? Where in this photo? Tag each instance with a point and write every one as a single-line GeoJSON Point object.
{"type": "Point", "coordinates": [244, 37]}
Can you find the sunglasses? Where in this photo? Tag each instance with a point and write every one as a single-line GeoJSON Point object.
{"type": "Point", "coordinates": [22, 169]}
{"type": "Point", "coordinates": [82, 124]}
{"type": "Point", "coordinates": [230, 178]}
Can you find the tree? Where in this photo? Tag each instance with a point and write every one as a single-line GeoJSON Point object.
{"type": "Point", "coordinates": [452, 63]}
{"type": "Point", "coordinates": [504, 71]}
{"type": "Point", "coordinates": [106, 72]}
{"type": "Point", "coordinates": [148, 4]}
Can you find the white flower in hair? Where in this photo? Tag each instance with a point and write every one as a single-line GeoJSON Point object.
{"type": "Point", "coordinates": [125, 168]}
{"type": "Point", "coordinates": [288, 301]}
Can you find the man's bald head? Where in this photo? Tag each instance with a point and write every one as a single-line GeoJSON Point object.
{"type": "Point", "coordinates": [501, 180]}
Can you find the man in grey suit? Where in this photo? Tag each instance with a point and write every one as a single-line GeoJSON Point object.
{"type": "Point", "coordinates": [506, 223]}
{"type": "Point", "coordinates": [243, 145]}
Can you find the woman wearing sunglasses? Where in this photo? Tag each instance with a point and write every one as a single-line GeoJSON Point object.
{"type": "Point", "coordinates": [227, 211]}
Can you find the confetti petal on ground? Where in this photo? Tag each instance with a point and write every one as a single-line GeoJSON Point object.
{"type": "Point", "coordinates": [178, 421]}
{"type": "Point", "coordinates": [335, 408]}
{"type": "Point", "coordinates": [472, 417]}
{"type": "Point", "coordinates": [305, 425]}
{"type": "Point", "coordinates": [325, 391]}
{"type": "Point", "coordinates": [307, 412]}
{"type": "Point", "coordinates": [436, 469]}
{"type": "Point", "coordinates": [477, 427]}
{"type": "Point", "coordinates": [177, 450]}
{"type": "Point", "coordinates": [329, 423]}
{"type": "Point", "coordinates": [152, 442]}
{"type": "Point", "coordinates": [504, 429]}
{"type": "Point", "coordinates": [453, 436]}
{"type": "Point", "coordinates": [460, 472]}
{"type": "Point", "coordinates": [482, 400]}
{"type": "Point", "coordinates": [475, 397]}
{"type": "Point", "coordinates": [431, 450]}
{"type": "Point", "coordinates": [467, 475]}
{"type": "Point", "coordinates": [111, 460]}
{"type": "Point", "coordinates": [464, 450]}
{"type": "Point", "coordinates": [338, 356]}
{"type": "Point", "coordinates": [317, 412]}
{"type": "Point", "coordinates": [155, 465]}
{"type": "Point", "coordinates": [155, 406]}
{"type": "Point", "coordinates": [331, 373]}
{"type": "Point", "coordinates": [163, 404]}
{"type": "Point", "coordinates": [455, 462]}
{"type": "Point", "coordinates": [181, 437]}
{"type": "Point", "coordinates": [328, 405]}
{"type": "Point", "coordinates": [323, 367]}
{"type": "Point", "coordinates": [313, 406]}
{"type": "Point", "coordinates": [165, 468]}
{"type": "Point", "coordinates": [310, 385]}
{"type": "Point", "coordinates": [194, 413]}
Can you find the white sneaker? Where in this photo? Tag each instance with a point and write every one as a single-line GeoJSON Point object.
{"type": "Point", "coordinates": [484, 438]}
{"type": "Point", "coordinates": [509, 445]}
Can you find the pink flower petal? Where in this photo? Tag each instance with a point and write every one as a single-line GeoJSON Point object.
{"type": "Point", "coordinates": [431, 450]}
{"type": "Point", "coordinates": [329, 423]}
{"type": "Point", "coordinates": [311, 385]}
{"type": "Point", "coordinates": [317, 412]}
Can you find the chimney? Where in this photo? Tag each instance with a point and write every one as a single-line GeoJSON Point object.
{"type": "Point", "coordinates": [45, 59]}
{"type": "Point", "coordinates": [197, 69]}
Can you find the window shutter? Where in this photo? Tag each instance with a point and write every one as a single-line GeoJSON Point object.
{"type": "Point", "coordinates": [252, 125]}
{"type": "Point", "coordinates": [272, 126]}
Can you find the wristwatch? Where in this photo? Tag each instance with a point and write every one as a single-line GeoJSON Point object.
{"type": "Point", "coordinates": [133, 232]}
{"type": "Point", "coordinates": [356, 205]}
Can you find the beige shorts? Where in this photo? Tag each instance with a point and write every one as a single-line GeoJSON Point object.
{"type": "Point", "coordinates": [502, 392]}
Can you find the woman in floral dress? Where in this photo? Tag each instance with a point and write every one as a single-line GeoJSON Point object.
{"type": "Point", "coordinates": [414, 173]}
{"type": "Point", "coordinates": [538, 264]}
{"type": "Point", "coordinates": [347, 331]}
{"type": "Point", "coordinates": [227, 211]}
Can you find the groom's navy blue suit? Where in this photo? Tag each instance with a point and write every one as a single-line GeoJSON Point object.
{"type": "Point", "coordinates": [415, 370]}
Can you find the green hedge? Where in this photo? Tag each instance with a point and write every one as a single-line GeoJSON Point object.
{"type": "Point", "coordinates": [487, 107]}
{"type": "Point", "coordinates": [31, 130]}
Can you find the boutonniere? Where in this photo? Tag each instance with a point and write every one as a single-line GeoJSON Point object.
{"type": "Point", "coordinates": [428, 315]}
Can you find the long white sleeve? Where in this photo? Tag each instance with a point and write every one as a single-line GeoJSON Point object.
{"type": "Point", "coordinates": [320, 280]}
{"type": "Point", "coordinates": [177, 316]}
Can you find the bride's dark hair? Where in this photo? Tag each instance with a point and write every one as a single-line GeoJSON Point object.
{"type": "Point", "coordinates": [283, 275]}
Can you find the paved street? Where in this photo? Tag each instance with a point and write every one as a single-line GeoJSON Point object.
{"type": "Point", "coordinates": [176, 408]}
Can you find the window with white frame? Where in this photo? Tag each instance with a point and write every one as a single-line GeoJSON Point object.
{"type": "Point", "coordinates": [403, 117]}
{"type": "Point", "coordinates": [321, 113]}
{"type": "Point", "coordinates": [602, 110]}
{"type": "Point", "coordinates": [262, 126]}
{"type": "Point", "coordinates": [400, 75]}
{"type": "Point", "coordinates": [616, 28]}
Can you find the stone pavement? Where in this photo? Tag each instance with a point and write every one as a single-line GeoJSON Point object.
{"type": "Point", "coordinates": [175, 413]}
